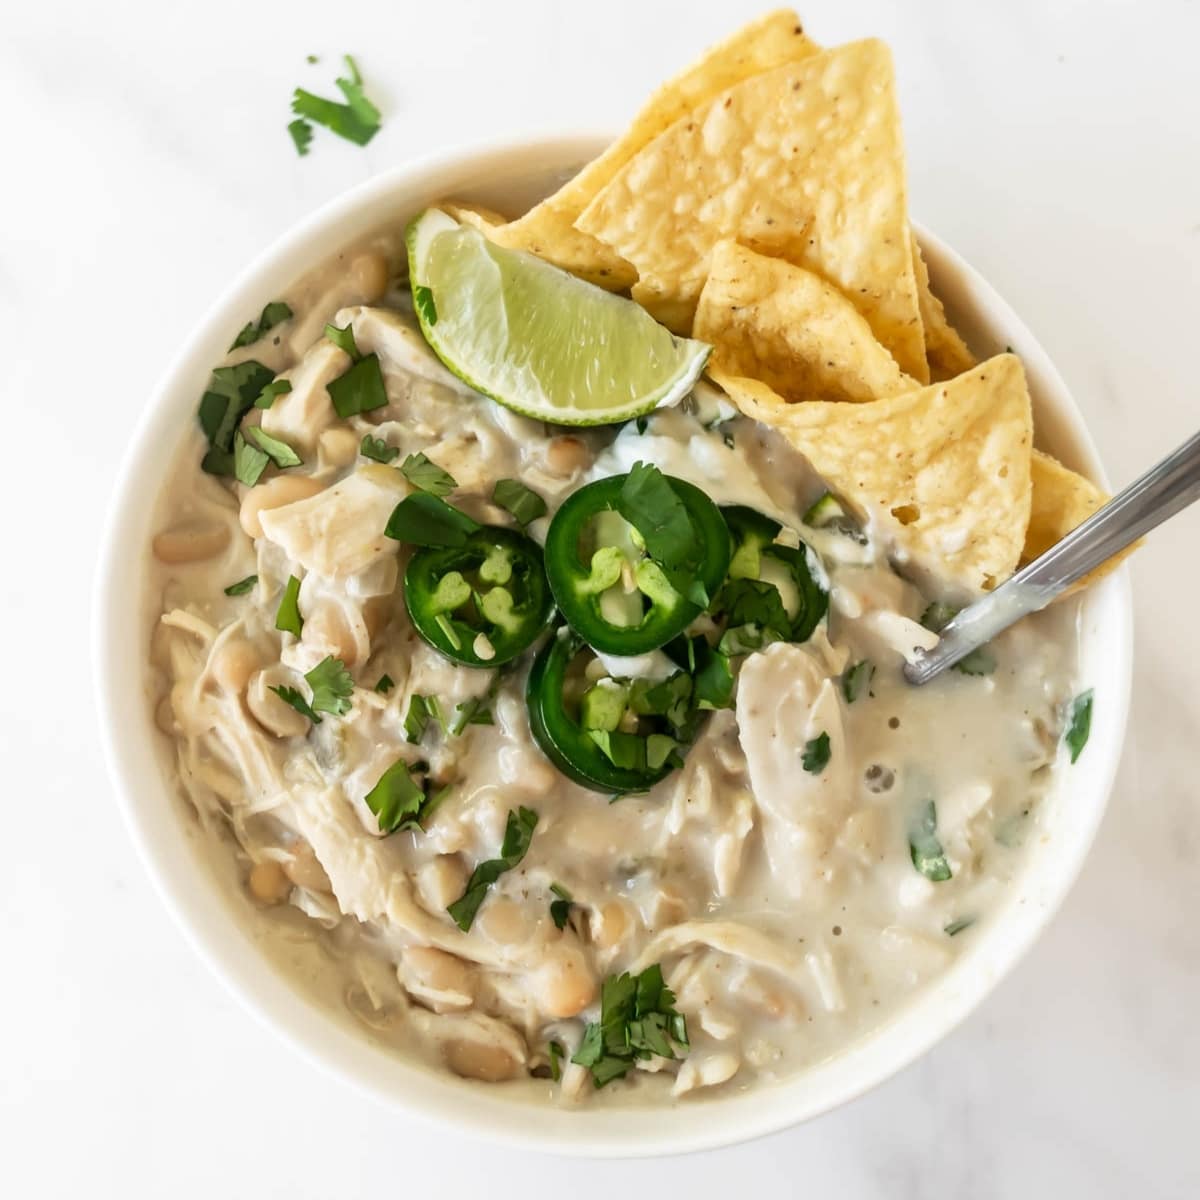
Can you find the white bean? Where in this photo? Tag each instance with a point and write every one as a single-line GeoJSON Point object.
{"type": "Point", "coordinates": [275, 493]}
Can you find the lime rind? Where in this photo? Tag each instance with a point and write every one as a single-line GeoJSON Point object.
{"type": "Point", "coordinates": [510, 378]}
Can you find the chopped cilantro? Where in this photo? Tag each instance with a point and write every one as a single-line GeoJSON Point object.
{"type": "Point", "coordinates": [273, 390]}
{"type": "Point", "coordinates": [518, 833]}
{"type": "Point", "coordinates": [927, 854]}
{"type": "Point", "coordinates": [357, 120]}
{"type": "Point", "coordinates": [713, 678]}
{"type": "Point", "coordinates": [249, 461]}
{"type": "Point", "coordinates": [231, 394]}
{"type": "Point", "coordinates": [856, 678]}
{"type": "Point", "coordinates": [638, 1020]}
{"type": "Point", "coordinates": [1080, 726]}
{"type": "Point", "coordinates": [397, 799]}
{"type": "Point", "coordinates": [560, 909]}
{"type": "Point", "coordinates": [427, 475]}
{"type": "Point", "coordinates": [302, 133]}
{"type": "Point", "coordinates": [360, 389]}
{"type": "Point", "coordinates": [343, 339]}
{"type": "Point", "coordinates": [425, 520]}
{"type": "Point", "coordinates": [649, 504]}
{"type": "Point", "coordinates": [287, 617]}
{"type": "Point", "coordinates": [555, 1053]}
{"type": "Point", "coordinates": [515, 498]}
{"type": "Point", "coordinates": [331, 690]}
{"type": "Point", "coordinates": [377, 449]}
{"type": "Point", "coordinates": [332, 686]}
{"type": "Point", "coordinates": [385, 684]}
{"type": "Point", "coordinates": [290, 696]}
{"type": "Point", "coordinates": [274, 314]}
{"type": "Point", "coordinates": [476, 711]}
{"type": "Point", "coordinates": [816, 754]}
{"type": "Point", "coordinates": [416, 719]}
{"type": "Point", "coordinates": [280, 453]}
{"type": "Point", "coordinates": [242, 586]}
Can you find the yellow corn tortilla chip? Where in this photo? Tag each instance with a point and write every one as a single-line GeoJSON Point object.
{"type": "Point", "coordinates": [805, 163]}
{"type": "Point", "coordinates": [943, 471]}
{"type": "Point", "coordinates": [478, 216]}
{"type": "Point", "coordinates": [769, 320]}
{"type": "Point", "coordinates": [1062, 500]}
{"type": "Point", "coordinates": [548, 229]}
{"type": "Point", "coordinates": [946, 352]}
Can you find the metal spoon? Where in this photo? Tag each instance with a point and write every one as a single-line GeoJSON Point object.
{"type": "Point", "coordinates": [1165, 489]}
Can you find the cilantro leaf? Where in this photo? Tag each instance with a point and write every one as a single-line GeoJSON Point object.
{"type": "Point", "coordinates": [287, 616]}
{"type": "Point", "coordinates": [280, 453]}
{"type": "Point", "coordinates": [377, 449]}
{"type": "Point", "coordinates": [649, 503]}
{"type": "Point", "coordinates": [515, 498]}
{"type": "Point", "coordinates": [249, 462]}
{"type": "Point", "coordinates": [302, 133]}
{"type": "Point", "coordinates": [816, 754]}
{"type": "Point", "coordinates": [560, 909]}
{"type": "Point", "coordinates": [332, 686]}
{"type": "Point", "coordinates": [360, 389]}
{"type": "Point", "coordinates": [713, 678]}
{"type": "Point", "coordinates": [297, 701]}
{"type": "Point", "coordinates": [356, 99]}
{"type": "Point", "coordinates": [638, 1020]}
{"type": "Point", "coordinates": [416, 720]}
{"type": "Point", "coordinates": [343, 339]}
{"type": "Point", "coordinates": [424, 304]}
{"type": "Point", "coordinates": [427, 475]}
{"type": "Point", "coordinates": [927, 854]}
{"type": "Point", "coordinates": [242, 586]}
{"type": "Point", "coordinates": [357, 120]}
{"type": "Point", "coordinates": [1080, 727]}
{"type": "Point", "coordinates": [555, 1053]}
{"type": "Point", "coordinates": [230, 395]}
{"type": "Point", "coordinates": [274, 314]}
{"type": "Point", "coordinates": [518, 833]}
{"type": "Point", "coordinates": [396, 799]}
{"type": "Point", "coordinates": [754, 615]}
{"type": "Point", "coordinates": [273, 390]}
{"type": "Point", "coordinates": [856, 678]}
{"type": "Point", "coordinates": [385, 684]}
{"type": "Point", "coordinates": [425, 520]}
{"type": "Point", "coordinates": [476, 711]}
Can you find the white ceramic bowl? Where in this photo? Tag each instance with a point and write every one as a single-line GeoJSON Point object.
{"type": "Point", "coordinates": [509, 178]}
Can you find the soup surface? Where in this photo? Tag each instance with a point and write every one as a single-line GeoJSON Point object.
{"type": "Point", "coordinates": [810, 850]}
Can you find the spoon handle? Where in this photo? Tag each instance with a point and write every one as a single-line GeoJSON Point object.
{"type": "Point", "coordinates": [1160, 493]}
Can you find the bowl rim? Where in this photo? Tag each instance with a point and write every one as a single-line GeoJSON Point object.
{"type": "Point", "coordinates": [186, 885]}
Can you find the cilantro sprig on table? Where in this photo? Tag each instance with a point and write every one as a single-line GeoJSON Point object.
{"type": "Point", "coordinates": [354, 118]}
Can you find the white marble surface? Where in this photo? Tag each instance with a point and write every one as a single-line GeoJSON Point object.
{"type": "Point", "coordinates": [1055, 143]}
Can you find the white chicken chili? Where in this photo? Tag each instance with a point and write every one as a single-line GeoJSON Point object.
{"type": "Point", "coordinates": [635, 811]}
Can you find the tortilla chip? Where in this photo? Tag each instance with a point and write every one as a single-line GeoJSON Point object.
{"type": "Point", "coordinates": [945, 351]}
{"type": "Point", "coordinates": [943, 471]}
{"type": "Point", "coordinates": [478, 216]}
{"type": "Point", "coordinates": [769, 320]}
{"type": "Point", "coordinates": [548, 229]}
{"type": "Point", "coordinates": [1063, 500]}
{"type": "Point", "coordinates": [803, 163]}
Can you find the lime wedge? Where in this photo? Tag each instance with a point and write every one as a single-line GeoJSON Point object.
{"type": "Point", "coordinates": [539, 340]}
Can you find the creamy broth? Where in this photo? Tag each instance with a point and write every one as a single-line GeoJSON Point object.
{"type": "Point", "coordinates": [782, 904]}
